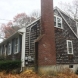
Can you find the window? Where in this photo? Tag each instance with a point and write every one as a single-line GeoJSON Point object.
{"type": "Point", "coordinates": [16, 46]}
{"type": "Point", "coordinates": [9, 48]}
{"type": "Point", "coordinates": [69, 47]}
{"type": "Point", "coordinates": [58, 21]}
{"type": "Point", "coordinates": [70, 66]}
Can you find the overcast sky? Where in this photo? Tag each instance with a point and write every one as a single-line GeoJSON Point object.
{"type": "Point", "coordinates": [10, 8]}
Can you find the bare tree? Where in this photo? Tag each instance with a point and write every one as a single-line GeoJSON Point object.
{"type": "Point", "coordinates": [70, 8]}
{"type": "Point", "coordinates": [22, 20]}
{"type": "Point", "coordinates": [36, 14]}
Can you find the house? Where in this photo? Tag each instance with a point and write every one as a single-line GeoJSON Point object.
{"type": "Point", "coordinates": [50, 42]}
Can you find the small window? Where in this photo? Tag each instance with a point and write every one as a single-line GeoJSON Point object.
{"type": "Point", "coordinates": [69, 47]}
{"type": "Point", "coordinates": [16, 46]}
{"type": "Point", "coordinates": [58, 21]}
{"type": "Point", "coordinates": [9, 48]}
{"type": "Point", "coordinates": [70, 66]}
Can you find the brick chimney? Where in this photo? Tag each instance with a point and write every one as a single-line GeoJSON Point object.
{"type": "Point", "coordinates": [46, 46]}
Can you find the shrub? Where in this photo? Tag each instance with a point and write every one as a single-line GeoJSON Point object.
{"type": "Point", "coordinates": [9, 65]}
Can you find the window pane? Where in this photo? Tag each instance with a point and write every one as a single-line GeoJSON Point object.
{"type": "Point", "coordinates": [69, 44]}
{"type": "Point", "coordinates": [59, 20]}
{"type": "Point", "coordinates": [70, 50]}
{"type": "Point", "coordinates": [54, 19]}
{"type": "Point", "coordinates": [54, 23]}
{"type": "Point", "coordinates": [69, 47]}
{"type": "Point", "coordinates": [59, 25]}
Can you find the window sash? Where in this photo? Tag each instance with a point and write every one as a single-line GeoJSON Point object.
{"type": "Point", "coordinates": [69, 47]}
{"type": "Point", "coordinates": [58, 23]}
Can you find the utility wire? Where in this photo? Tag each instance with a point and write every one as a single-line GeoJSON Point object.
{"type": "Point", "coordinates": [6, 19]}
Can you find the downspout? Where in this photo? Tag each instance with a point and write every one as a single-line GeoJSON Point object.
{"type": "Point", "coordinates": [23, 51]}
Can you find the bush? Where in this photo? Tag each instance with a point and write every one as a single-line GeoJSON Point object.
{"type": "Point", "coordinates": [9, 65]}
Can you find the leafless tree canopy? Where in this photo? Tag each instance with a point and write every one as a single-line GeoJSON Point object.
{"type": "Point", "coordinates": [70, 8]}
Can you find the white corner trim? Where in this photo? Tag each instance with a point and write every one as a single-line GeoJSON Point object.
{"type": "Point", "coordinates": [23, 51]}
{"type": "Point", "coordinates": [67, 24]}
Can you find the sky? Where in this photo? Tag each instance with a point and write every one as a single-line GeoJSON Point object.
{"type": "Point", "coordinates": [10, 8]}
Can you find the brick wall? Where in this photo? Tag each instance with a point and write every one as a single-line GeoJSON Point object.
{"type": "Point", "coordinates": [46, 47]}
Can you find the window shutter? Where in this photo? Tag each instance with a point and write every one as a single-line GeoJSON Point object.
{"type": "Point", "coordinates": [13, 45]}
{"type": "Point", "coordinates": [19, 43]}
{"type": "Point", "coordinates": [7, 49]}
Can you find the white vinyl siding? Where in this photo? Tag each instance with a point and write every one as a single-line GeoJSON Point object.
{"type": "Point", "coordinates": [69, 47]}
{"type": "Point", "coordinates": [58, 22]}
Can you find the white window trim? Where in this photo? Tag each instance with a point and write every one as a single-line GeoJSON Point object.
{"type": "Point", "coordinates": [68, 47]}
{"type": "Point", "coordinates": [10, 48]}
{"type": "Point", "coordinates": [15, 52]}
{"type": "Point", "coordinates": [57, 23]}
